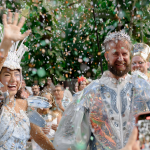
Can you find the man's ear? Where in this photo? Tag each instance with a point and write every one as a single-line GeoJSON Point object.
{"type": "Point", "coordinates": [106, 56]}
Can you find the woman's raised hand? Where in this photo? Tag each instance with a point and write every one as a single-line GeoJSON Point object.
{"type": "Point", "coordinates": [12, 27]}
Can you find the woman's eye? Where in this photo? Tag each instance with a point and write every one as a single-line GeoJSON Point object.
{"type": "Point", "coordinates": [17, 74]}
{"type": "Point", "coordinates": [140, 62]}
{"type": "Point", "coordinates": [7, 75]}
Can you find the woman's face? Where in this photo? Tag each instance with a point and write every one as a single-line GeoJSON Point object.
{"type": "Point", "coordinates": [11, 80]}
{"type": "Point", "coordinates": [76, 88]}
{"type": "Point", "coordinates": [139, 64]}
{"type": "Point", "coordinates": [49, 81]}
{"type": "Point", "coordinates": [82, 85]}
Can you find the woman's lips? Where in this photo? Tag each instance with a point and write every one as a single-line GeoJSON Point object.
{"type": "Point", "coordinates": [12, 87]}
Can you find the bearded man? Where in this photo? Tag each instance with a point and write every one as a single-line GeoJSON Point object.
{"type": "Point", "coordinates": [101, 116]}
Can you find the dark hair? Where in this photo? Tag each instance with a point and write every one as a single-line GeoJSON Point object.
{"type": "Point", "coordinates": [45, 85]}
{"type": "Point", "coordinates": [64, 82]}
{"type": "Point", "coordinates": [35, 85]}
{"type": "Point", "coordinates": [18, 94]}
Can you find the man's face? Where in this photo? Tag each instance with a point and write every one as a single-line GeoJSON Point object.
{"type": "Point", "coordinates": [118, 58]}
{"type": "Point", "coordinates": [139, 64]}
{"type": "Point", "coordinates": [35, 90]}
{"type": "Point", "coordinates": [58, 93]}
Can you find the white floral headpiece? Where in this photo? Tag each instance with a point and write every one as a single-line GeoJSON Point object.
{"type": "Point", "coordinates": [116, 36]}
{"type": "Point", "coordinates": [141, 49]}
{"type": "Point", "coordinates": [15, 54]}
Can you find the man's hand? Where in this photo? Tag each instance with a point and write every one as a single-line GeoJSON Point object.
{"type": "Point", "coordinates": [132, 143]}
{"type": "Point", "coordinates": [54, 126]}
{"type": "Point", "coordinates": [59, 103]}
{"type": "Point", "coordinates": [12, 27]}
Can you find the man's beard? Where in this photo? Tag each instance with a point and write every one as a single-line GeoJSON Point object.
{"type": "Point", "coordinates": [35, 93]}
{"type": "Point", "coordinates": [118, 73]}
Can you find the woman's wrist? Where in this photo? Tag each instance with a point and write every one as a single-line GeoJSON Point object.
{"type": "Point", "coordinates": [5, 46]}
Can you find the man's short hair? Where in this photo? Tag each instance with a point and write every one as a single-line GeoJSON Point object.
{"type": "Point", "coordinates": [35, 85]}
{"type": "Point", "coordinates": [58, 85]}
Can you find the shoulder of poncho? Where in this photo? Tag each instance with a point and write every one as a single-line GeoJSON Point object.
{"type": "Point", "coordinates": [82, 97]}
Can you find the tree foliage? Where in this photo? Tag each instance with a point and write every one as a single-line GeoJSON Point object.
{"type": "Point", "coordinates": [65, 34]}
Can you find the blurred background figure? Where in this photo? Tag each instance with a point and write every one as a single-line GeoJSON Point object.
{"type": "Point", "coordinates": [76, 87]}
{"type": "Point", "coordinates": [35, 90]}
{"type": "Point", "coordinates": [49, 86]}
{"type": "Point", "coordinates": [60, 99]}
{"type": "Point", "coordinates": [52, 116]}
{"type": "Point", "coordinates": [22, 94]}
{"type": "Point", "coordinates": [67, 92]}
{"type": "Point", "coordinates": [26, 89]}
{"type": "Point", "coordinates": [140, 58]}
{"type": "Point", "coordinates": [81, 83]}
{"type": "Point", "coordinates": [88, 81]}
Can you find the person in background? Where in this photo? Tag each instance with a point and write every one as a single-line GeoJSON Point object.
{"type": "Point", "coordinates": [60, 99]}
{"type": "Point", "coordinates": [52, 116]}
{"type": "Point", "coordinates": [67, 92]}
{"type": "Point", "coordinates": [82, 83]}
{"type": "Point", "coordinates": [35, 90]}
{"type": "Point", "coordinates": [76, 87]}
{"type": "Point", "coordinates": [89, 81]}
{"type": "Point", "coordinates": [22, 94]}
{"type": "Point", "coordinates": [49, 86]}
{"type": "Point", "coordinates": [140, 58]}
{"type": "Point", "coordinates": [27, 89]}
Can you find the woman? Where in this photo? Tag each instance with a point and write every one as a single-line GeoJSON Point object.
{"type": "Point", "coordinates": [52, 116]}
{"type": "Point", "coordinates": [82, 83]}
{"type": "Point", "coordinates": [14, 123]}
{"type": "Point", "coordinates": [140, 58]}
{"type": "Point", "coordinates": [22, 94]}
{"type": "Point", "coordinates": [67, 92]}
{"type": "Point", "coordinates": [49, 86]}
{"type": "Point", "coordinates": [76, 87]}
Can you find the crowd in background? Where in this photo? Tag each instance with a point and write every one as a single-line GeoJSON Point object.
{"type": "Point", "coordinates": [59, 96]}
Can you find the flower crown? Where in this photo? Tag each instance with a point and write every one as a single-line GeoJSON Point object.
{"type": "Point", "coordinates": [81, 79]}
{"type": "Point", "coordinates": [141, 49]}
{"type": "Point", "coordinates": [116, 36]}
{"type": "Point", "coordinates": [15, 53]}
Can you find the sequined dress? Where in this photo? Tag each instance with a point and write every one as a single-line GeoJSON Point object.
{"type": "Point", "coordinates": [14, 129]}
